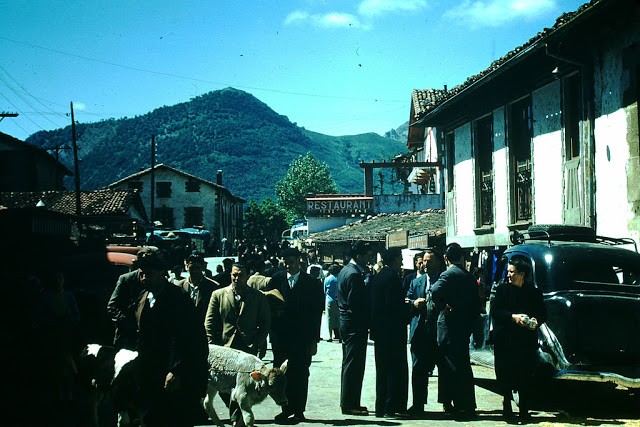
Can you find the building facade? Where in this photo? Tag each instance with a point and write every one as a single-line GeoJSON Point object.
{"type": "Point", "coordinates": [548, 134]}
{"type": "Point", "coordinates": [182, 200]}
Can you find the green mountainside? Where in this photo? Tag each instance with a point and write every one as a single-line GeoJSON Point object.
{"type": "Point", "coordinates": [226, 129]}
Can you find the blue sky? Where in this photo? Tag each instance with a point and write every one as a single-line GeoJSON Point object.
{"type": "Point", "coordinates": [331, 66]}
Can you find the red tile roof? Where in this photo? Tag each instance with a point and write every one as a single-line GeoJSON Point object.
{"type": "Point", "coordinates": [98, 202]}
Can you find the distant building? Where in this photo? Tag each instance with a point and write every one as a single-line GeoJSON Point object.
{"type": "Point", "coordinates": [183, 200]}
{"type": "Point", "coordinates": [25, 167]}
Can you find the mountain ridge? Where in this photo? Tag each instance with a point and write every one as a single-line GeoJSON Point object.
{"type": "Point", "coordinates": [227, 129]}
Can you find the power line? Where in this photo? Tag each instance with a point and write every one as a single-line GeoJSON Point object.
{"type": "Point", "coordinates": [143, 70]}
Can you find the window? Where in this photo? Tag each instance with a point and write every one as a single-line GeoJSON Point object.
{"type": "Point", "coordinates": [163, 189]}
{"type": "Point", "coordinates": [135, 185]}
{"type": "Point", "coordinates": [192, 216]}
{"type": "Point", "coordinates": [483, 138]}
{"type": "Point", "coordinates": [165, 216]}
{"type": "Point", "coordinates": [520, 130]}
{"type": "Point", "coordinates": [572, 106]}
{"type": "Point", "coordinates": [192, 186]}
{"type": "Point", "coordinates": [449, 141]}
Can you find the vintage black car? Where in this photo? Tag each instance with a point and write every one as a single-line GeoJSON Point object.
{"type": "Point", "coordinates": [591, 288]}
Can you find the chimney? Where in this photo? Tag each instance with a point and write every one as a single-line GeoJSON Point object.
{"type": "Point", "coordinates": [219, 177]}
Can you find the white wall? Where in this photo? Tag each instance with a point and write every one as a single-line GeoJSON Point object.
{"type": "Point", "coordinates": [547, 155]}
{"type": "Point", "coordinates": [501, 182]}
{"type": "Point", "coordinates": [464, 179]}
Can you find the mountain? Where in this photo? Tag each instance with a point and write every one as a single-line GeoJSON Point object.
{"type": "Point", "coordinates": [226, 129]}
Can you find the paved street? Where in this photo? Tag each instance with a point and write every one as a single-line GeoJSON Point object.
{"type": "Point", "coordinates": [323, 407]}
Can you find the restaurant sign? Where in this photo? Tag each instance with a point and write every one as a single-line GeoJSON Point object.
{"type": "Point", "coordinates": [339, 205]}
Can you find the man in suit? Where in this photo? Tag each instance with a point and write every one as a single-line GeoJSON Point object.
{"type": "Point", "coordinates": [197, 285]}
{"type": "Point", "coordinates": [354, 306]}
{"type": "Point", "coordinates": [389, 314]}
{"type": "Point", "coordinates": [121, 307]}
{"type": "Point", "coordinates": [456, 298]}
{"type": "Point", "coordinates": [422, 330]}
{"type": "Point", "coordinates": [172, 348]}
{"type": "Point", "coordinates": [418, 270]}
{"type": "Point", "coordinates": [296, 331]}
{"type": "Point", "coordinates": [238, 317]}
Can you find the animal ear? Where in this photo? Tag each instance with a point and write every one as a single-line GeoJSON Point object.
{"type": "Point", "coordinates": [283, 367]}
{"type": "Point", "coordinates": [257, 375]}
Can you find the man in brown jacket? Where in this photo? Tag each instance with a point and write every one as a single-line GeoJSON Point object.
{"type": "Point", "coordinates": [238, 317]}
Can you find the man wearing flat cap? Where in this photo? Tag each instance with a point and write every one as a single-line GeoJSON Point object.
{"type": "Point", "coordinates": [296, 332]}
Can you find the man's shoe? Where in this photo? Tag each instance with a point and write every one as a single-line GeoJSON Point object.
{"type": "Point", "coordinates": [300, 416]}
{"type": "Point", "coordinates": [401, 415]}
{"type": "Point", "coordinates": [465, 414]}
{"type": "Point", "coordinates": [448, 408]}
{"type": "Point", "coordinates": [416, 411]}
{"type": "Point", "coordinates": [355, 411]}
{"type": "Point", "coordinates": [282, 417]}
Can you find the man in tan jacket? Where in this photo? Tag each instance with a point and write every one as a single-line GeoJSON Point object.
{"type": "Point", "coordinates": [238, 317]}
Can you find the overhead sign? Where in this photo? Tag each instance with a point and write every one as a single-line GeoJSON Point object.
{"type": "Point", "coordinates": [339, 205]}
{"type": "Point", "coordinates": [419, 242]}
{"type": "Point", "coordinates": [397, 239]}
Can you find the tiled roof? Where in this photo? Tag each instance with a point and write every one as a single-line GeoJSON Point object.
{"type": "Point", "coordinates": [424, 100]}
{"type": "Point", "coordinates": [376, 228]}
{"type": "Point", "coordinates": [98, 202]}
{"type": "Point", "coordinates": [179, 172]}
{"type": "Point", "coordinates": [561, 21]}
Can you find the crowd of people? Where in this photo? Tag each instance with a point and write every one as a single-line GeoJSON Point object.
{"type": "Point", "coordinates": [442, 302]}
{"type": "Point", "coordinates": [280, 298]}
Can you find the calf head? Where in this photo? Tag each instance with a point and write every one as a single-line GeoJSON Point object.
{"type": "Point", "coordinates": [277, 383]}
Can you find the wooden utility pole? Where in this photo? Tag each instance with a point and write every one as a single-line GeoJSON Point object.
{"type": "Point", "coordinates": [153, 181]}
{"type": "Point", "coordinates": [3, 115]}
{"type": "Point", "coordinates": [76, 167]}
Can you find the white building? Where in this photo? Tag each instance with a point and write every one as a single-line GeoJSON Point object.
{"type": "Point", "coordinates": [184, 200]}
{"type": "Point", "coordinates": [548, 133]}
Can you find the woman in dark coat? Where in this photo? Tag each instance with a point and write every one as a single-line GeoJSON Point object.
{"type": "Point", "coordinates": [517, 311]}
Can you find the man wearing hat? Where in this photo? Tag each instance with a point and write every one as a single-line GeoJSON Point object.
{"type": "Point", "coordinates": [197, 285]}
{"type": "Point", "coordinates": [172, 347]}
{"type": "Point", "coordinates": [296, 332]}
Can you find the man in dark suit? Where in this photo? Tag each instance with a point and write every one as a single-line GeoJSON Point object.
{"type": "Point", "coordinates": [456, 297]}
{"type": "Point", "coordinates": [172, 348]}
{"type": "Point", "coordinates": [224, 278]}
{"type": "Point", "coordinates": [417, 271]}
{"type": "Point", "coordinates": [422, 330]}
{"type": "Point", "coordinates": [389, 314]}
{"type": "Point", "coordinates": [354, 307]}
{"type": "Point", "coordinates": [121, 307]}
{"type": "Point", "coordinates": [295, 333]}
{"type": "Point", "coordinates": [197, 285]}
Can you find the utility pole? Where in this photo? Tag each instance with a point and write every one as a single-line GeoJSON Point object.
{"type": "Point", "coordinates": [153, 181]}
{"type": "Point", "coordinates": [76, 167]}
{"type": "Point", "coordinates": [4, 114]}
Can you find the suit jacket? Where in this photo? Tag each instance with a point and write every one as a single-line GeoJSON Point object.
{"type": "Point", "coordinates": [426, 317]}
{"type": "Point", "coordinates": [458, 289]}
{"type": "Point", "coordinates": [353, 299]}
{"type": "Point", "coordinates": [172, 339]}
{"type": "Point", "coordinates": [122, 307]}
{"type": "Point", "coordinates": [389, 312]}
{"type": "Point", "coordinates": [407, 279]}
{"type": "Point", "coordinates": [258, 281]}
{"type": "Point", "coordinates": [302, 315]}
{"type": "Point", "coordinates": [206, 287]}
{"type": "Point", "coordinates": [242, 324]}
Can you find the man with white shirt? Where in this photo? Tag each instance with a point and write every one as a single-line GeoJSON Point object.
{"type": "Point", "coordinates": [295, 332]}
{"type": "Point", "coordinates": [422, 330]}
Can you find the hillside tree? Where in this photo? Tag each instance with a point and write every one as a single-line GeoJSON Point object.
{"type": "Point", "coordinates": [306, 175]}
